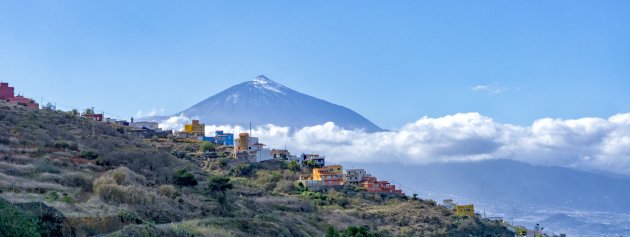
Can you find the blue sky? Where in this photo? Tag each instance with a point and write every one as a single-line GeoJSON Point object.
{"type": "Point", "coordinates": [393, 62]}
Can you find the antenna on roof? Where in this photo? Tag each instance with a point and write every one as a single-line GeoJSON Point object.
{"type": "Point", "coordinates": [250, 129]}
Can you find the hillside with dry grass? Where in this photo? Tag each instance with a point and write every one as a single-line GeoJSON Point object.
{"type": "Point", "coordinates": [61, 175]}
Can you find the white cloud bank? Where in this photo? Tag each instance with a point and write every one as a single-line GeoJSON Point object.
{"type": "Point", "coordinates": [586, 143]}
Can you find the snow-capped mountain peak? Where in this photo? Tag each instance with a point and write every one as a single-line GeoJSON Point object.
{"type": "Point", "coordinates": [263, 101]}
{"type": "Point", "coordinates": [266, 83]}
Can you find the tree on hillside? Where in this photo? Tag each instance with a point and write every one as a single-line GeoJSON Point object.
{"type": "Point", "coordinates": [88, 110]}
{"type": "Point", "coordinates": [219, 184]}
{"type": "Point", "coordinates": [311, 164]}
{"type": "Point", "coordinates": [184, 178]}
{"type": "Point", "coordinates": [331, 232]}
{"type": "Point", "coordinates": [294, 166]}
{"type": "Point", "coordinates": [363, 231]}
{"type": "Point", "coordinates": [207, 146]}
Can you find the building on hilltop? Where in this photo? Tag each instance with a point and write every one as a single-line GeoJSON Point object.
{"type": "Point", "coordinates": [331, 175]}
{"type": "Point", "coordinates": [146, 125]}
{"type": "Point", "coordinates": [324, 177]}
{"type": "Point", "coordinates": [317, 159]}
{"type": "Point", "coordinates": [280, 154]}
{"type": "Point", "coordinates": [448, 204]}
{"type": "Point", "coordinates": [6, 91]}
{"type": "Point", "coordinates": [356, 176]}
{"type": "Point", "coordinates": [372, 185]}
{"type": "Point", "coordinates": [7, 94]}
{"type": "Point", "coordinates": [225, 139]}
{"type": "Point", "coordinates": [95, 117]}
{"type": "Point", "coordinates": [195, 129]}
{"type": "Point", "coordinates": [248, 149]}
{"type": "Point", "coordinates": [465, 210]}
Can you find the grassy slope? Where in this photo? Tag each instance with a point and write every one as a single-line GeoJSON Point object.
{"type": "Point", "coordinates": [103, 180]}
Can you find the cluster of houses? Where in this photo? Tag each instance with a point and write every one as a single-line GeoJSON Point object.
{"type": "Point", "coordinates": [247, 148]}
{"type": "Point", "coordinates": [7, 94]}
{"type": "Point", "coordinates": [334, 176]}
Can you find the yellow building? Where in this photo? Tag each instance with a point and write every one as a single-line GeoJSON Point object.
{"type": "Point", "coordinates": [465, 210]}
{"type": "Point", "coordinates": [195, 129]}
{"type": "Point", "coordinates": [330, 175]}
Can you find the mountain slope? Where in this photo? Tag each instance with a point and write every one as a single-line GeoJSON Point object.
{"type": "Point", "coordinates": [515, 183]}
{"type": "Point", "coordinates": [263, 101]}
{"type": "Point", "coordinates": [527, 193]}
{"type": "Point", "coordinates": [61, 175]}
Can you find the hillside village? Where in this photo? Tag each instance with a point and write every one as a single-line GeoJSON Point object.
{"type": "Point", "coordinates": [193, 144]}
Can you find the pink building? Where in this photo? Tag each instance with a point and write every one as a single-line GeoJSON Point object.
{"type": "Point", "coordinates": [7, 93]}
{"type": "Point", "coordinates": [95, 117]}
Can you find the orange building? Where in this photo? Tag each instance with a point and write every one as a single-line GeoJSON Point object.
{"type": "Point", "coordinates": [372, 185]}
{"type": "Point", "coordinates": [329, 175]}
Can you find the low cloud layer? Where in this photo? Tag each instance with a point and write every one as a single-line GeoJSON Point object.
{"type": "Point", "coordinates": [586, 143]}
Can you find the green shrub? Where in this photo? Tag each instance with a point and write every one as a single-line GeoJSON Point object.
{"type": "Point", "coordinates": [15, 223]}
{"type": "Point", "coordinates": [242, 170]}
{"type": "Point", "coordinates": [317, 198]}
{"type": "Point", "coordinates": [207, 146]}
{"type": "Point", "coordinates": [62, 145]}
{"type": "Point", "coordinates": [129, 217]}
{"type": "Point", "coordinates": [90, 155]}
{"type": "Point", "coordinates": [363, 231]}
{"type": "Point", "coordinates": [51, 196]}
{"type": "Point", "coordinates": [219, 184]}
{"type": "Point", "coordinates": [184, 178]}
{"type": "Point", "coordinates": [67, 199]}
{"type": "Point", "coordinates": [294, 166]}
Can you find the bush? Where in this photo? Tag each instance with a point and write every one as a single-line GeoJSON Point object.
{"type": "Point", "coordinates": [90, 155]}
{"type": "Point", "coordinates": [62, 145]}
{"type": "Point", "coordinates": [206, 146]}
{"type": "Point", "coordinates": [284, 186]}
{"type": "Point", "coordinates": [129, 217]}
{"type": "Point", "coordinates": [184, 178]}
{"type": "Point", "coordinates": [294, 166]}
{"type": "Point", "coordinates": [45, 165]}
{"type": "Point", "coordinates": [51, 196]}
{"type": "Point", "coordinates": [219, 184]}
{"type": "Point", "coordinates": [242, 170]}
{"type": "Point", "coordinates": [166, 190]}
{"type": "Point", "coordinates": [108, 190]}
{"type": "Point", "coordinates": [15, 223]}
{"type": "Point", "coordinates": [362, 231]}
{"type": "Point", "coordinates": [317, 198]}
{"type": "Point", "coordinates": [67, 199]}
{"type": "Point", "coordinates": [77, 180]}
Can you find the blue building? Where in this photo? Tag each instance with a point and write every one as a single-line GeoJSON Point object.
{"type": "Point", "coordinates": [221, 138]}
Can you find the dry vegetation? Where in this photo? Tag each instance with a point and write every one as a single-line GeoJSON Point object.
{"type": "Point", "coordinates": [99, 180]}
